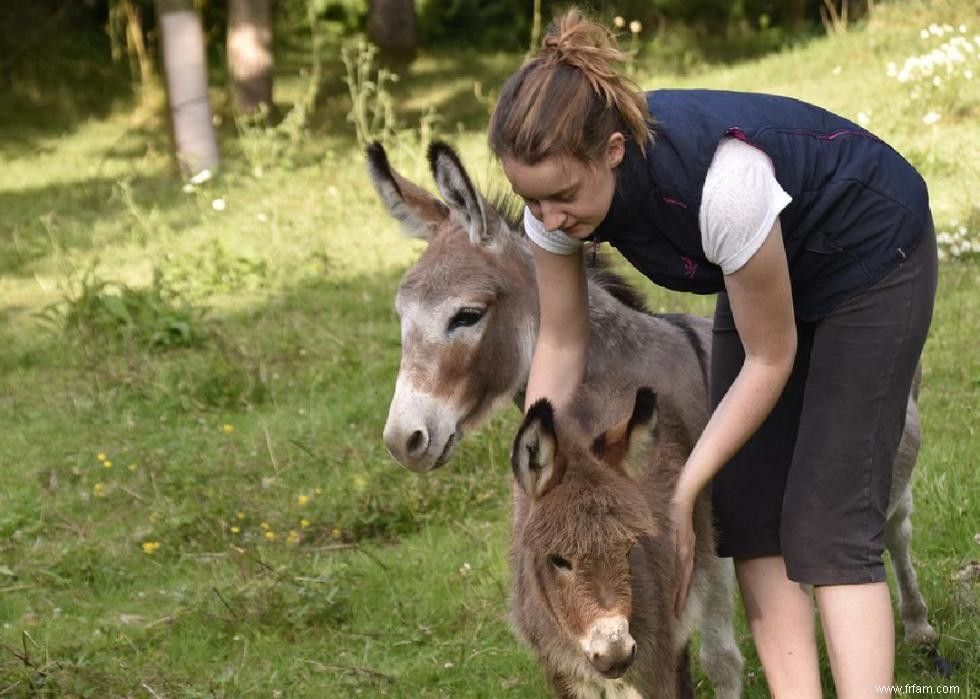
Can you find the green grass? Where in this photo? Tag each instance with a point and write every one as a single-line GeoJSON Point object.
{"type": "Point", "coordinates": [275, 410]}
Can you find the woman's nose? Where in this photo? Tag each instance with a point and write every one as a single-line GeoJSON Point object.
{"type": "Point", "coordinates": [552, 217]}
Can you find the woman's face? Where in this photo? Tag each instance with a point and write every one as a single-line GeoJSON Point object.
{"type": "Point", "coordinates": [566, 194]}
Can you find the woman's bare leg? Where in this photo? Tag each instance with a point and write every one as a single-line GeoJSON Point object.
{"type": "Point", "coordinates": [859, 631]}
{"type": "Point", "coordinates": [780, 615]}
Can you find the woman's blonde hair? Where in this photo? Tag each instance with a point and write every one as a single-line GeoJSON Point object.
{"type": "Point", "coordinates": [568, 99]}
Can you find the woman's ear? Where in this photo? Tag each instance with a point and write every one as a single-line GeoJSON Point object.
{"type": "Point", "coordinates": [615, 149]}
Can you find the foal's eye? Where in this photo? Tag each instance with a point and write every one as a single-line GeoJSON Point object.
{"type": "Point", "coordinates": [465, 317]}
{"type": "Point", "coordinates": [560, 563]}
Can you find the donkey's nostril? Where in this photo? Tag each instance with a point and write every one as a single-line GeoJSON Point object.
{"type": "Point", "coordinates": [415, 441]}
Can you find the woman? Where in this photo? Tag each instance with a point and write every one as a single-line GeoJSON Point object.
{"type": "Point", "coordinates": [818, 239]}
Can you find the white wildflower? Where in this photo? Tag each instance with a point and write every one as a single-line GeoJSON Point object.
{"type": "Point", "coordinates": [836, 70]}
{"type": "Point", "coordinates": [931, 118]}
{"type": "Point", "coordinates": [636, 27]}
{"type": "Point", "coordinates": [218, 204]}
{"type": "Point", "coordinates": [891, 70]}
{"type": "Point", "coordinates": [863, 119]}
{"type": "Point", "coordinates": [201, 177]}
{"type": "Point", "coordinates": [619, 22]}
{"type": "Point", "coordinates": [924, 34]}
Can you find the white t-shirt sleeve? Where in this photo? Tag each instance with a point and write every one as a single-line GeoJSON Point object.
{"type": "Point", "coordinates": [739, 204]}
{"type": "Point", "coordinates": [557, 242]}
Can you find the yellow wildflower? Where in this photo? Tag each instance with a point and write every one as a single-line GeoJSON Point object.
{"type": "Point", "coordinates": [271, 536]}
{"type": "Point", "coordinates": [149, 547]}
{"type": "Point", "coordinates": [318, 491]}
{"type": "Point", "coordinates": [228, 428]}
{"type": "Point", "coordinates": [264, 525]}
{"type": "Point", "coordinates": [132, 467]}
{"type": "Point", "coordinates": [293, 537]}
{"type": "Point", "coordinates": [236, 530]}
{"type": "Point", "coordinates": [240, 515]}
{"type": "Point", "coordinates": [302, 499]}
{"type": "Point", "coordinates": [304, 523]}
{"type": "Point", "coordinates": [335, 532]}
{"type": "Point", "coordinates": [101, 456]}
{"type": "Point", "coordinates": [98, 490]}
{"type": "Point", "coordinates": [106, 464]}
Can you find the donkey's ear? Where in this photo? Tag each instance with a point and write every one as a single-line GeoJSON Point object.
{"type": "Point", "coordinates": [419, 212]}
{"type": "Point", "coordinates": [537, 465]}
{"type": "Point", "coordinates": [630, 444]}
{"type": "Point", "coordinates": [481, 220]}
{"type": "Point", "coordinates": [641, 433]}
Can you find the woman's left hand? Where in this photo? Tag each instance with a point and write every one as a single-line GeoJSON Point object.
{"type": "Point", "coordinates": [682, 519]}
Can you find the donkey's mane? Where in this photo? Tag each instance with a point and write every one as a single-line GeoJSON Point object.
{"type": "Point", "coordinates": [508, 206]}
{"type": "Point", "coordinates": [601, 272]}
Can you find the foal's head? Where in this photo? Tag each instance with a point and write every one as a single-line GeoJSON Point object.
{"type": "Point", "coordinates": [589, 537]}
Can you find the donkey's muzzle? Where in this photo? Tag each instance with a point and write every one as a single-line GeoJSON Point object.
{"type": "Point", "coordinates": [609, 647]}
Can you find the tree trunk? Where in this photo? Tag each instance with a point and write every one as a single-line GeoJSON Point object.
{"type": "Point", "coordinates": [391, 25]}
{"type": "Point", "coordinates": [250, 53]}
{"type": "Point", "coordinates": [185, 68]}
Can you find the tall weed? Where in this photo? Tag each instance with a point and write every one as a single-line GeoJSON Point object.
{"type": "Point", "coordinates": [106, 312]}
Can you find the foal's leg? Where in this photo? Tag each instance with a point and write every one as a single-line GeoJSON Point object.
{"type": "Point", "coordinates": [720, 658]}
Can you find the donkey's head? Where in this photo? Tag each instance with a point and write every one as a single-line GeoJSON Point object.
{"type": "Point", "coordinates": [590, 537]}
{"type": "Point", "coordinates": [466, 310]}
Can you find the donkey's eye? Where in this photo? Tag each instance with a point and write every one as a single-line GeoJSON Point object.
{"type": "Point", "coordinates": [560, 563]}
{"type": "Point", "coordinates": [465, 317]}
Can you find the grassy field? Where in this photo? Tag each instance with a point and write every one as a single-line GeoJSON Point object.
{"type": "Point", "coordinates": [196, 500]}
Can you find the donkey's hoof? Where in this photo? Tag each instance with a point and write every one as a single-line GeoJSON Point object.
{"type": "Point", "coordinates": [921, 634]}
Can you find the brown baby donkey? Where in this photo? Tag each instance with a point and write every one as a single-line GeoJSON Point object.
{"type": "Point", "coordinates": [594, 565]}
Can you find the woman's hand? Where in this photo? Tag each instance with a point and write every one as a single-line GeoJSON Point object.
{"type": "Point", "coordinates": [682, 519]}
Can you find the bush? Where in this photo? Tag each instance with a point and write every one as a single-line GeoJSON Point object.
{"type": "Point", "coordinates": [108, 312]}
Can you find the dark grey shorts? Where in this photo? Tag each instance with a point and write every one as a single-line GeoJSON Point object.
{"type": "Point", "coordinates": [813, 483]}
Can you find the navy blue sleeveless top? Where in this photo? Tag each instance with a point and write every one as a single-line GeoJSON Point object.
{"type": "Point", "coordinates": [858, 207]}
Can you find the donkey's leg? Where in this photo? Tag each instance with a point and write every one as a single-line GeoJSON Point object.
{"type": "Point", "coordinates": [720, 658]}
{"type": "Point", "coordinates": [898, 534]}
{"type": "Point", "coordinates": [566, 687]}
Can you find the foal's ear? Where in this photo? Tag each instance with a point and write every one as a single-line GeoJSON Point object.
{"type": "Point", "coordinates": [535, 460]}
{"type": "Point", "coordinates": [480, 219]}
{"type": "Point", "coordinates": [419, 212]}
{"type": "Point", "coordinates": [630, 444]}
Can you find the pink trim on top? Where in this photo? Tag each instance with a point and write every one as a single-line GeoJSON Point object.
{"type": "Point", "coordinates": [675, 202]}
{"type": "Point", "coordinates": [736, 132]}
{"type": "Point", "coordinates": [832, 136]}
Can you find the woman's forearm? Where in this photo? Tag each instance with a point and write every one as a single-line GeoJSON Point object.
{"type": "Point", "coordinates": [556, 372]}
{"type": "Point", "coordinates": [746, 404]}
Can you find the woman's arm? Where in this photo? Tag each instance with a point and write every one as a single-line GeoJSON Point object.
{"type": "Point", "coordinates": [762, 304]}
{"type": "Point", "coordinates": [558, 364]}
